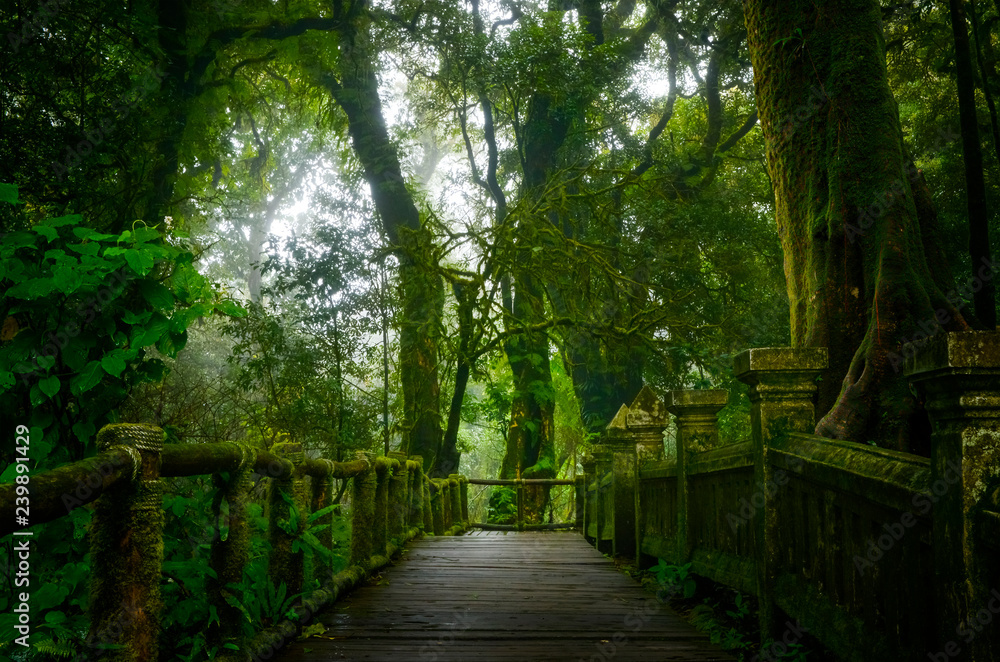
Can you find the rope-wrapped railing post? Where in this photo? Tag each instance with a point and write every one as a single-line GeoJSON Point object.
{"type": "Point", "coordinates": [286, 519]}
{"type": "Point", "coordinates": [519, 488]}
{"type": "Point", "coordinates": [322, 495]}
{"type": "Point", "coordinates": [446, 515]}
{"type": "Point", "coordinates": [230, 547]}
{"type": "Point", "coordinates": [437, 505]}
{"type": "Point", "coordinates": [416, 464]}
{"type": "Point", "coordinates": [428, 509]}
{"type": "Point", "coordinates": [455, 489]}
{"type": "Point", "coordinates": [363, 511]}
{"type": "Point", "coordinates": [380, 523]}
{"type": "Point", "coordinates": [398, 503]}
{"type": "Point", "coordinates": [465, 501]}
{"type": "Point", "coordinates": [127, 549]}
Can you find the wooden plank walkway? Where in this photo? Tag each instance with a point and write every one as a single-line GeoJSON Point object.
{"type": "Point", "coordinates": [487, 597]}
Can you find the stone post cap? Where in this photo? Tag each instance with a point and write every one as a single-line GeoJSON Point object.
{"type": "Point", "coordinates": [967, 352]}
{"type": "Point", "coordinates": [779, 359]}
{"type": "Point", "coordinates": [696, 400]}
{"type": "Point", "coordinates": [646, 411]}
{"type": "Point", "coordinates": [618, 426]}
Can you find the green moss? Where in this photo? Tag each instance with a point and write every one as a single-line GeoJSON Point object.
{"type": "Point", "coordinates": [363, 515]}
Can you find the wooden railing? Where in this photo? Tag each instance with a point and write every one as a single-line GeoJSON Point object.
{"type": "Point", "coordinates": [392, 501]}
{"type": "Point", "coordinates": [521, 520]}
{"type": "Point", "coordinates": [878, 554]}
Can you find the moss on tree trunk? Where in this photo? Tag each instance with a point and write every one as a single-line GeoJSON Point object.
{"type": "Point", "coordinates": [852, 231]}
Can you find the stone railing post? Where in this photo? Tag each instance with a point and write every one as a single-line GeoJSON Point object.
{"type": "Point", "coordinates": [620, 442]}
{"type": "Point", "coordinates": [126, 546]}
{"type": "Point", "coordinates": [398, 500]}
{"type": "Point", "coordinates": [959, 376]}
{"type": "Point", "coordinates": [602, 497]}
{"type": "Point", "coordinates": [380, 525]}
{"type": "Point", "coordinates": [284, 524]}
{"type": "Point", "coordinates": [363, 489]}
{"type": "Point", "coordinates": [697, 430]}
{"type": "Point", "coordinates": [646, 420]}
{"type": "Point", "coordinates": [782, 385]}
{"type": "Point", "coordinates": [230, 555]}
{"type": "Point", "coordinates": [438, 499]}
{"type": "Point", "coordinates": [579, 501]}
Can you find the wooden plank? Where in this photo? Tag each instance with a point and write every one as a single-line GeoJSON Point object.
{"type": "Point", "coordinates": [495, 596]}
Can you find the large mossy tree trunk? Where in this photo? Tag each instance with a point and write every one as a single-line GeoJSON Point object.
{"type": "Point", "coordinates": [421, 287]}
{"type": "Point", "coordinates": [863, 270]}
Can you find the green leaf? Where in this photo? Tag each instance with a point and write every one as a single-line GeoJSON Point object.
{"type": "Point", "coordinates": [156, 294]}
{"type": "Point", "coordinates": [55, 617]}
{"type": "Point", "coordinates": [49, 386]}
{"type": "Point", "coordinates": [113, 363]}
{"type": "Point", "coordinates": [86, 248]}
{"type": "Point", "coordinates": [8, 193]}
{"type": "Point", "coordinates": [66, 279]}
{"type": "Point", "coordinates": [140, 261]}
{"type": "Point", "coordinates": [88, 378]}
{"type": "Point", "coordinates": [231, 308]}
{"type": "Point", "coordinates": [59, 221]}
{"type": "Point", "coordinates": [49, 596]}
{"type": "Point", "coordinates": [144, 234]}
{"type": "Point", "coordinates": [46, 231]}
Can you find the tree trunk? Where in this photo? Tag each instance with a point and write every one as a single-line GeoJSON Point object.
{"type": "Point", "coordinates": [858, 278]}
{"type": "Point", "coordinates": [972, 155]}
{"type": "Point", "coordinates": [422, 291]}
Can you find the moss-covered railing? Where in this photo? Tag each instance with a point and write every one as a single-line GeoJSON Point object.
{"type": "Point", "coordinates": [392, 501]}
{"type": "Point", "coordinates": [878, 554]}
{"type": "Point", "coordinates": [521, 520]}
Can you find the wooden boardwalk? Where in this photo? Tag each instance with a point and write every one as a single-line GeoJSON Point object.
{"type": "Point", "coordinates": [487, 597]}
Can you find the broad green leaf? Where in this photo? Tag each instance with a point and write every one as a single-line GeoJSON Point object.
{"type": "Point", "coordinates": [66, 279]}
{"type": "Point", "coordinates": [49, 386]}
{"type": "Point", "coordinates": [46, 231]}
{"type": "Point", "coordinates": [113, 363]}
{"type": "Point", "coordinates": [58, 222]}
{"type": "Point", "coordinates": [88, 378]}
{"type": "Point", "coordinates": [156, 294]}
{"type": "Point", "coordinates": [92, 235]}
{"type": "Point", "coordinates": [171, 343]}
{"type": "Point", "coordinates": [8, 193]}
{"type": "Point", "coordinates": [86, 248]}
{"type": "Point", "coordinates": [143, 234]}
{"type": "Point", "coordinates": [136, 318]}
{"type": "Point", "coordinates": [230, 307]}
{"type": "Point", "coordinates": [140, 261]}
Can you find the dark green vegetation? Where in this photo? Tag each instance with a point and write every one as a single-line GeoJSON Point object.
{"type": "Point", "coordinates": [469, 229]}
